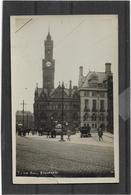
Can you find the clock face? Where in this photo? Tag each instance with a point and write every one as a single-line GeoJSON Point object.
{"type": "Point", "coordinates": [48, 63]}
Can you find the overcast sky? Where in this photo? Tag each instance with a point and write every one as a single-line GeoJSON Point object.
{"type": "Point", "coordinates": [83, 40]}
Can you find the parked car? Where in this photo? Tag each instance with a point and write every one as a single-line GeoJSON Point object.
{"type": "Point", "coordinates": [58, 129]}
{"type": "Point", "coordinates": [85, 132]}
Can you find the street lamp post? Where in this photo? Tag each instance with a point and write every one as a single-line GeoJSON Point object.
{"type": "Point", "coordinates": [27, 120]}
{"type": "Point", "coordinates": [98, 111]}
{"type": "Point", "coordinates": [23, 111]}
{"type": "Point", "coordinates": [62, 113]}
{"type": "Point", "coordinates": [51, 126]}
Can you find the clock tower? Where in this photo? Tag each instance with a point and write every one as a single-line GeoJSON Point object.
{"type": "Point", "coordinates": [48, 64]}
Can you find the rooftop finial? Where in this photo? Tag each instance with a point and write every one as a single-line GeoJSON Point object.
{"type": "Point", "coordinates": [62, 83]}
{"type": "Point", "coordinates": [70, 86]}
{"type": "Point", "coordinates": [48, 36]}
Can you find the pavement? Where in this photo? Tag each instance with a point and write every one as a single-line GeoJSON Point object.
{"type": "Point", "coordinates": [79, 157]}
{"type": "Point", "coordinates": [108, 139]}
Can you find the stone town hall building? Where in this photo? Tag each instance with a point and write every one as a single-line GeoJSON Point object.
{"type": "Point", "coordinates": [89, 103]}
{"type": "Point", "coordinates": [48, 100]}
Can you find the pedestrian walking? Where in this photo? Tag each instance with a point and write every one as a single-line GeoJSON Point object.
{"type": "Point", "coordinates": [48, 133]}
{"type": "Point", "coordinates": [28, 131]}
{"type": "Point", "coordinates": [68, 134]}
{"type": "Point", "coordinates": [24, 132]}
{"type": "Point", "coordinates": [88, 130]}
{"type": "Point", "coordinates": [100, 134]}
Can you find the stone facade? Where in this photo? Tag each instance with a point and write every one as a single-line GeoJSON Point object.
{"type": "Point", "coordinates": [48, 100]}
{"type": "Point", "coordinates": [48, 107]}
{"type": "Point", "coordinates": [26, 118]}
{"type": "Point", "coordinates": [96, 98]}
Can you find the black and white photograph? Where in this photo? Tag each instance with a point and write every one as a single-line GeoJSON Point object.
{"type": "Point", "coordinates": [64, 92]}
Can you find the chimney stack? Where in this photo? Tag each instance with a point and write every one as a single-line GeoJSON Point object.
{"type": "Point", "coordinates": [81, 71]}
{"type": "Point", "coordinates": [70, 84]}
{"type": "Point", "coordinates": [70, 88]}
{"type": "Point", "coordinates": [107, 67]}
{"type": "Point", "coordinates": [36, 90]}
{"type": "Point", "coordinates": [80, 76]}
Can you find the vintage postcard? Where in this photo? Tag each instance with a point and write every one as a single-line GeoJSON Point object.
{"type": "Point", "coordinates": [64, 81]}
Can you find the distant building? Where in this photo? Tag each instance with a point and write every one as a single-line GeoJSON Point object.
{"type": "Point", "coordinates": [25, 119]}
{"type": "Point", "coordinates": [48, 100]}
{"type": "Point", "coordinates": [96, 98]}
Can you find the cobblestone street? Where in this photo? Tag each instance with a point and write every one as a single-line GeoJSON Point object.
{"type": "Point", "coordinates": [80, 156]}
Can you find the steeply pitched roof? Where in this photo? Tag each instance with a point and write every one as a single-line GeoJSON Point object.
{"type": "Point", "coordinates": [56, 92]}
{"type": "Point", "coordinates": [97, 77]}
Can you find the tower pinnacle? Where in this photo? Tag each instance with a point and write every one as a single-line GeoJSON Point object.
{"type": "Point", "coordinates": [48, 35]}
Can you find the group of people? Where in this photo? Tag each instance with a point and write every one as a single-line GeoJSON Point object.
{"type": "Point", "coordinates": [51, 133]}
{"type": "Point", "coordinates": [23, 131]}
{"type": "Point", "coordinates": [85, 131]}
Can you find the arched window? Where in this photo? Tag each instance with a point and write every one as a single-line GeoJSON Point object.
{"type": "Point", "coordinates": [86, 105]}
{"type": "Point", "coordinates": [102, 105]}
{"type": "Point", "coordinates": [59, 106]}
{"type": "Point", "coordinates": [101, 118]}
{"type": "Point", "coordinates": [85, 117]}
{"type": "Point", "coordinates": [93, 117]}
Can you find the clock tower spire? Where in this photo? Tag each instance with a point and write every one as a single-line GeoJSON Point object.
{"type": "Point", "coordinates": [48, 64]}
